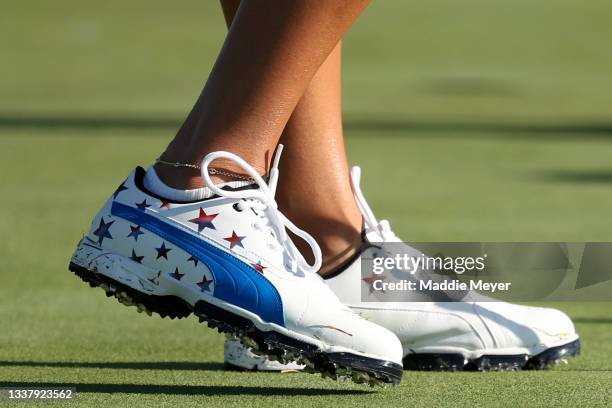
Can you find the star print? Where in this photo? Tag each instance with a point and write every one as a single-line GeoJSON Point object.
{"type": "Point", "coordinates": [374, 278]}
{"type": "Point", "coordinates": [176, 274]}
{"type": "Point", "coordinates": [195, 260]}
{"type": "Point", "coordinates": [235, 240]}
{"type": "Point", "coordinates": [155, 280]}
{"type": "Point", "coordinates": [119, 189]}
{"type": "Point", "coordinates": [103, 230]}
{"type": "Point", "coordinates": [91, 243]}
{"type": "Point", "coordinates": [204, 284]}
{"type": "Point", "coordinates": [135, 232]}
{"type": "Point", "coordinates": [142, 206]}
{"type": "Point", "coordinates": [162, 251]}
{"type": "Point", "coordinates": [135, 257]}
{"type": "Point", "coordinates": [204, 220]}
{"type": "Point", "coordinates": [258, 267]}
{"type": "Point", "coordinates": [164, 204]}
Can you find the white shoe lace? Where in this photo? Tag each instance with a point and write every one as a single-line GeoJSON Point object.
{"type": "Point", "coordinates": [382, 227]}
{"type": "Point", "coordinates": [263, 199]}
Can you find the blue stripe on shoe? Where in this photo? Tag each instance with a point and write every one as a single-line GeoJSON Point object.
{"type": "Point", "coordinates": [236, 282]}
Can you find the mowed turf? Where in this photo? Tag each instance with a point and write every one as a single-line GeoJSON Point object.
{"type": "Point", "coordinates": [471, 121]}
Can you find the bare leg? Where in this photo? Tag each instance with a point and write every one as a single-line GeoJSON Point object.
{"type": "Point", "coordinates": [272, 51]}
{"type": "Point", "coordinates": [314, 189]}
{"type": "Point", "coordinates": [315, 160]}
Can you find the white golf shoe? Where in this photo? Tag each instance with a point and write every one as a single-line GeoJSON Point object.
{"type": "Point", "coordinates": [467, 335]}
{"type": "Point", "coordinates": [229, 261]}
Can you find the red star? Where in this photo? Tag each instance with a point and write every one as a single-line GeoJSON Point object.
{"type": "Point", "coordinates": [374, 278]}
{"type": "Point", "coordinates": [204, 284]}
{"type": "Point", "coordinates": [204, 220]}
{"type": "Point", "coordinates": [258, 267]}
{"type": "Point", "coordinates": [235, 240]}
{"type": "Point", "coordinates": [164, 204]}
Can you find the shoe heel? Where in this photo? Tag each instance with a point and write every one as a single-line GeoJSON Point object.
{"type": "Point", "coordinates": [131, 283]}
{"type": "Point", "coordinates": [92, 257]}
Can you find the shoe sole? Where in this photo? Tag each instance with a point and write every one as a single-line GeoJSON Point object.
{"type": "Point", "coordinates": [277, 346]}
{"type": "Point", "coordinates": [553, 356]}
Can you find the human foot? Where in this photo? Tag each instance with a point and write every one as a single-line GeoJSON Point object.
{"type": "Point", "coordinates": [447, 336]}
{"type": "Point", "coordinates": [228, 260]}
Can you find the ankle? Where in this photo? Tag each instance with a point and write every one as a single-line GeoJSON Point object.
{"type": "Point", "coordinates": [182, 178]}
{"type": "Point", "coordinates": [340, 241]}
{"type": "Point", "coordinates": [335, 224]}
{"type": "Point", "coordinates": [186, 177]}
{"type": "Point", "coordinates": [336, 260]}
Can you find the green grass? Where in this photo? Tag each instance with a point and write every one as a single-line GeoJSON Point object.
{"type": "Point", "coordinates": [472, 121]}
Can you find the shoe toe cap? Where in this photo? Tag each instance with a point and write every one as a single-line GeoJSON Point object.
{"type": "Point", "coordinates": [552, 323]}
{"type": "Point", "coordinates": [525, 326]}
{"type": "Point", "coordinates": [359, 335]}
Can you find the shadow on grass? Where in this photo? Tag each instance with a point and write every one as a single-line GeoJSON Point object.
{"type": "Point", "coordinates": [541, 130]}
{"type": "Point", "coordinates": [130, 365]}
{"type": "Point", "coordinates": [88, 122]}
{"type": "Point", "coordinates": [593, 320]}
{"type": "Point", "coordinates": [390, 125]}
{"type": "Point", "coordinates": [208, 390]}
{"type": "Point", "coordinates": [594, 177]}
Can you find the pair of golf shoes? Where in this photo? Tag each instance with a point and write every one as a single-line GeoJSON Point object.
{"type": "Point", "coordinates": [229, 261]}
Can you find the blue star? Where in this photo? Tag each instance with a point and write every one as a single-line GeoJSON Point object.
{"type": "Point", "coordinates": [135, 257]}
{"type": "Point", "coordinates": [176, 274]}
{"type": "Point", "coordinates": [163, 251]}
{"type": "Point", "coordinates": [119, 189]}
{"type": "Point", "coordinates": [91, 243]}
{"type": "Point", "coordinates": [142, 206]}
{"type": "Point", "coordinates": [103, 231]}
{"type": "Point", "coordinates": [155, 280]}
{"type": "Point", "coordinates": [195, 260]}
{"type": "Point", "coordinates": [135, 232]}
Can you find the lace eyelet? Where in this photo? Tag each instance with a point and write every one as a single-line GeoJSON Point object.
{"type": "Point", "coordinates": [236, 207]}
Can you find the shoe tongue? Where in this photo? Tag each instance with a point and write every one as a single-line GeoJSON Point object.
{"type": "Point", "coordinates": [372, 235]}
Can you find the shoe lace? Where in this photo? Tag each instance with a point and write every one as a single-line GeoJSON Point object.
{"type": "Point", "coordinates": [263, 199]}
{"type": "Point", "coordinates": [382, 227]}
